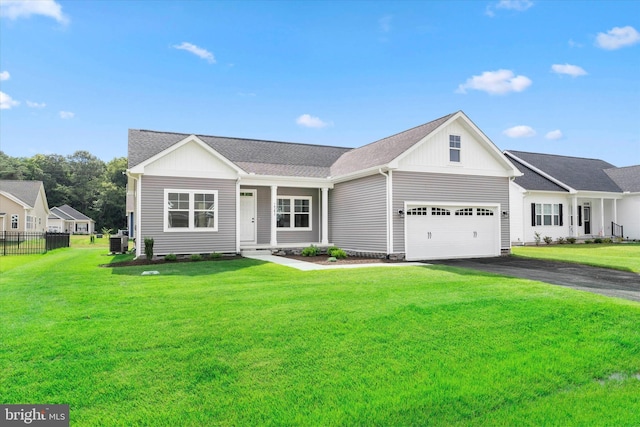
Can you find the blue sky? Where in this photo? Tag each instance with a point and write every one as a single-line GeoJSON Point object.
{"type": "Point", "coordinates": [559, 77]}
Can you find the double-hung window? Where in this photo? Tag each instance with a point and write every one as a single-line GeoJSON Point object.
{"type": "Point", "coordinates": [454, 148]}
{"type": "Point", "coordinates": [546, 214]}
{"type": "Point", "coordinates": [294, 213]}
{"type": "Point", "coordinates": [191, 210]}
{"type": "Point", "coordinates": [14, 222]}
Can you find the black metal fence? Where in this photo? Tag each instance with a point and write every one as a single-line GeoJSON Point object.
{"type": "Point", "coordinates": [617, 230]}
{"type": "Point", "coordinates": [27, 243]}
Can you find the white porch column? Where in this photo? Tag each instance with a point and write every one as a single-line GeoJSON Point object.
{"type": "Point", "coordinates": [325, 216]}
{"type": "Point", "coordinates": [615, 212]}
{"type": "Point", "coordinates": [274, 213]}
{"type": "Point", "coordinates": [574, 213]}
{"type": "Point", "coordinates": [602, 216]}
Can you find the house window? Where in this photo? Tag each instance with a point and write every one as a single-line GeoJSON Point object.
{"type": "Point", "coordinates": [454, 148]}
{"type": "Point", "coordinates": [294, 213]}
{"type": "Point", "coordinates": [191, 210]}
{"type": "Point", "coordinates": [30, 222]}
{"type": "Point", "coordinates": [546, 214]}
{"type": "Point", "coordinates": [14, 222]}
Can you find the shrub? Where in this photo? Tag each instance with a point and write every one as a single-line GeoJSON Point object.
{"type": "Point", "coordinates": [548, 239]}
{"type": "Point", "coordinates": [537, 238]}
{"type": "Point", "coordinates": [597, 240]}
{"type": "Point", "coordinates": [571, 240]}
{"type": "Point", "coordinates": [607, 240]}
{"type": "Point", "coordinates": [560, 240]}
{"type": "Point", "coordinates": [310, 251]}
{"type": "Point", "coordinates": [148, 247]}
{"type": "Point", "coordinates": [588, 241]}
{"type": "Point", "coordinates": [195, 257]}
{"type": "Point", "coordinates": [216, 255]}
{"type": "Point", "coordinates": [170, 257]}
{"type": "Point", "coordinates": [338, 253]}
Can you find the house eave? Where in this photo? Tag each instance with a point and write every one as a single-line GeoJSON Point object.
{"type": "Point", "coordinates": [284, 181]}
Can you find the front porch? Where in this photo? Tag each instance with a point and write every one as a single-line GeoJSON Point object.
{"type": "Point", "coordinates": [596, 217]}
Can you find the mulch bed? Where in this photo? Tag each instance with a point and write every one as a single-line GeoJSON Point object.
{"type": "Point", "coordinates": [323, 260]}
{"type": "Point", "coordinates": [144, 261]}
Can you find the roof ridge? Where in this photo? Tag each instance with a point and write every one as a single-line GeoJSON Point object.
{"type": "Point", "coordinates": [244, 139]}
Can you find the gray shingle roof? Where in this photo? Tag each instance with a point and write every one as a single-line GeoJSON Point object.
{"type": "Point", "coordinates": [253, 156]}
{"type": "Point", "coordinates": [381, 152]}
{"type": "Point", "coordinates": [27, 191]}
{"type": "Point", "coordinates": [532, 180]}
{"type": "Point", "coordinates": [69, 213]}
{"type": "Point", "coordinates": [577, 172]}
{"type": "Point", "coordinates": [627, 178]}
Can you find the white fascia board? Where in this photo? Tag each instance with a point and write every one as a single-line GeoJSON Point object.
{"type": "Point", "coordinates": [361, 173]}
{"type": "Point", "coordinates": [599, 195]}
{"type": "Point", "coordinates": [139, 168]}
{"type": "Point", "coordinates": [541, 172]}
{"type": "Point", "coordinates": [16, 200]}
{"type": "Point", "coordinates": [285, 181]}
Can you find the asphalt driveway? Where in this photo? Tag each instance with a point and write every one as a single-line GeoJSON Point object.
{"type": "Point", "coordinates": [613, 283]}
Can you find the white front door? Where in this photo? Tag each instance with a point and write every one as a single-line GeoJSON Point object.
{"type": "Point", "coordinates": [248, 216]}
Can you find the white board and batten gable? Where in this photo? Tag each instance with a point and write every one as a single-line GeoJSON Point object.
{"type": "Point", "coordinates": [478, 155]}
{"type": "Point", "coordinates": [191, 158]}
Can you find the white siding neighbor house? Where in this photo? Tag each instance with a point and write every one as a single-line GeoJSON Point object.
{"type": "Point", "coordinates": [439, 190]}
{"type": "Point", "coordinates": [562, 196]}
{"type": "Point", "coordinates": [65, 219]}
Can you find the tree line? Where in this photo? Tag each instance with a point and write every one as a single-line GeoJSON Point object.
{"type": "Point", "coordinates": [80, 180]}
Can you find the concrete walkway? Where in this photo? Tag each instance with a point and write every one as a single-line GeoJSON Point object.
{"type": "Point", "coordinates": [309, 266]}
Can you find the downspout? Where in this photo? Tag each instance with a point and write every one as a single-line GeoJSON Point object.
{"type": "Point", "coordinates": [238, 215]}
{"type": "Point", "coordinates": [389, 218]}
{"type": "Point", "coordinates": [138, 221]}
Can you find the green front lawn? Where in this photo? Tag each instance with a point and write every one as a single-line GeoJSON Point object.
{"type": "Point", "coordinates": [248, 343]}
{"type": "Point", "coordinates": [623, 256]}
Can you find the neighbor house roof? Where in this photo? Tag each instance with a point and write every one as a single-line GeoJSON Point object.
{"type": "Point", "coordinates": [251, 155]}
{"type": "Point", "coordinates": [627, 178]}
{"type": "Point", "coordinates": [576, 172]}
{"type": "Point", "coordinates": [68, 213]}
{"type": "Point", "coordinates": [383, 151]}
{"type": "Point", "coordinates": [26, 191]}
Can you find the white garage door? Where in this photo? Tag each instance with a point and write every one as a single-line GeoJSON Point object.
{"type": "Point", "coordinates": [444, 231]}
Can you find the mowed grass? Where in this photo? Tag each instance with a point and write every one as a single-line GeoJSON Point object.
{"type": "Point", "coordinates": [623, 256]}
{"type": "Point", "coordinates": [241, 342]}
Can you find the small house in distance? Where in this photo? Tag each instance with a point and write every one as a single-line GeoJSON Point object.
{"type": "Point", "coordinates": [65, 219]}
{"type": "Point", "coordinates": [23, 206]}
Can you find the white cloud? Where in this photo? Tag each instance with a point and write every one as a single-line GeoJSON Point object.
{"type": "Point", "coordinates": [618, 37]}
{"type": "Point", "coordinates": [571, 70]}
{"type": "Point", "coordinates": [310, 121]}
{"type": "Point", "coordinates": [520, 132]}
{"type": "Point", "coordinates": [554, 134]}
{"type": "Point", "coordinates": [66, 115]}
{"type": "Point", "coordinates": [385, 23]}
{"type": "Point", "coordinates": [575, 44]}
{"type": "Point", "coordinates": [31, 104]}
{"type": "Point", "coordinates": [6, 102]}
{"type": "Point", "coordinates": [517, 5]}
{"type": "Point", "coordinates": [14, 9]}
{"type": "Point", "coordinates": [496, 82]}
{"type": "Point", "coordinates": [4, 75]}
{"type": "Point", "coordinates": [198, 51]}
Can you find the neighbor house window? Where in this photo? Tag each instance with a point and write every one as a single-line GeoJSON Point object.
{"type": "Point", "coordinates": [14, 222]}
{"type": "Point", "coordinates": [294, 213]}
{"type": "Point", "coordinates": [191, 210]}
{"type": "Point", "coordinates": [454, 148]}
{"type": "Point", "coordinates": [546, 214]}
{"type": "Point", "coordinates": [30, 223]}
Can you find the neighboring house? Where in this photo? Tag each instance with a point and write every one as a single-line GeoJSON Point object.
{"type": "Point", "coordinates": [561, 196]}
{"type": "Point", "coordinates": [439, 190]}
{"type": "Point", "coordinates": [23, 206]}
{"type": "Point", "coordinates": [65, 219]}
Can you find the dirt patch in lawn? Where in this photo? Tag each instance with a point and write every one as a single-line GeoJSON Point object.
{"type": "Point", "coordinates": [324, 260]}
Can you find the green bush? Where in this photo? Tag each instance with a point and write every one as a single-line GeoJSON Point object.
{"type": "Point", "coordinates": [536, 237]}
{"type": "Point", "coordinates": [310, 251]}
{"type": "Point", "coordinates": [170, 257]}
{"type": "Point", "coordinates": [588, 241]}
{"type": "Point", "coordinates": [607, 240]}
{"type": "Point", "coordinates": [336, 252]}
{"type": "Point", "coordinates": [560, 240]}
{"type": "Point", "coordinates": [148, 247]}
{"type": "Point", "coordinates": [216, 255]}
{"type": "Point", "coordinates": [571, 240]}
{"type": "Point", "coordinates": [548, 239]}
{"type": "Point", "coordinates": [196, 257]}
{"type": "Point", "coordinates": [597, 240]}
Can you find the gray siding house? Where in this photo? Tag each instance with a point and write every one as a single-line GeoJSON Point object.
{"type": "Point", "coordinates": [439, 190]}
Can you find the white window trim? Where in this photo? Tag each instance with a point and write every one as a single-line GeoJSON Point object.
{"type": "Point", "coordinates": [459, 149]}
{"type": "Point", "coordinates": [292, 222]}
{"type": "Point", "coordinates": [554, 215]}
{"type": "Point", "coordinates": [191, 228]}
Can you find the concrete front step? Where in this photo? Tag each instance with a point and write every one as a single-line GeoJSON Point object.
{"type": "Point", "coordinates": [254, 252]}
